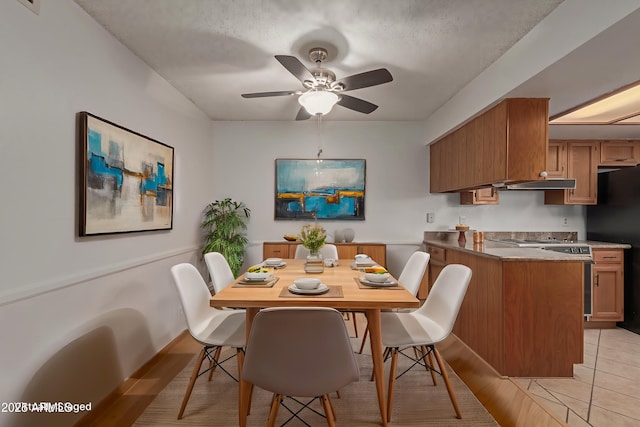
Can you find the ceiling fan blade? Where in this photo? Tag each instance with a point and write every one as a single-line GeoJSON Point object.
{"type": "Point", "coordinates": [356, 104]}
{"type": "Point", "coordinates": [295, 67]}
{"type": "Point", "coordinates": [303, 114]}
{"type": "Point", "coordinates": [265, 94]}
{"type": "Point", "coordinates": [366, 79]}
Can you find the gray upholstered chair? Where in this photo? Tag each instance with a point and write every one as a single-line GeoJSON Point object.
{"type": "Point", "coordinates": [211, 327]}
{"type": "Point", "coordinates": [299, 352]}
{"type": "Point", "coordinates": [423, 328]}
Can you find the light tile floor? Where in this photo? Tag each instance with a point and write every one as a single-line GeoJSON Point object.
{"type": "Point", "coordinates": [605, 389]}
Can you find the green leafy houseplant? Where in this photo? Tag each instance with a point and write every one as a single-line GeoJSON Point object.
{"type": "Point", "coordinates": [225, 223]}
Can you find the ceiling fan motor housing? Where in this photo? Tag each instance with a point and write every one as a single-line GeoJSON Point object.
{"type": "Point", "coordinates": [321, 85]}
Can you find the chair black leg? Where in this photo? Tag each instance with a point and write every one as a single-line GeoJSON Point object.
{"type": "Point", "coordinates": [364, 339]}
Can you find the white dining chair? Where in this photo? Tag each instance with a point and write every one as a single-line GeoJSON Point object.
{"type": "Point", "coordinates": [219, 270]}
{"type": "Point", "coordinates": [423, 328]}
{"type": "Point", "coordinates": [410, 277]}
{"type": "Point", "coordinates": [328, 250]}
{"type": "Point", "coordinates": [299, 352]}
{"type": "Point", "coordinates": [211, 327]}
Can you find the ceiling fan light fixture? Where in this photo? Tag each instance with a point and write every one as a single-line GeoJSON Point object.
{"type": "Point", "coordinates": [318, 102]}
{"type": "Point", "coordinates": [619, 107]}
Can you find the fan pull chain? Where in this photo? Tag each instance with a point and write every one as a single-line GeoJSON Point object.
{"type": "Point", "coordinates": [319, 136]}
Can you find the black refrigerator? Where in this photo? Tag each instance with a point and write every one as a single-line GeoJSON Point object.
{"type": "Point", "coordinates": [616, 219]}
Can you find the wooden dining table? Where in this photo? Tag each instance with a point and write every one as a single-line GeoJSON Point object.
{"type": "Point", "coordinates": [345, 293]}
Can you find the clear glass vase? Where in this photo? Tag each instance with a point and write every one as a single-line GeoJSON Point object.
{"type": "Point", "coordinates": [314, 263]}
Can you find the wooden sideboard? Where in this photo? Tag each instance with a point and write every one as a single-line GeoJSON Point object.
{"type": "Point", "coordinates": [377, 251]}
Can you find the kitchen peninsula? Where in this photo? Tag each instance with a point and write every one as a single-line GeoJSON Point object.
{"type": "Point", "coordinates": [523, 311]}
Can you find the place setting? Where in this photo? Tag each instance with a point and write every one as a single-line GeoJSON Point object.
{"type": "Point", "coordinates": [377, 277]}
{"type": "Point", "coordinates": [274, 263]}
{"type": "Point", "coordinates": [258, 276]}
{"type": "Point", "coordinates": [310, 286]}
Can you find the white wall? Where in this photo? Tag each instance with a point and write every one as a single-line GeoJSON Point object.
{"type": "Point", "coordinates": [397, 184]}
{"type": "Point", "coordinates": [60, 292]}
{"type": "Point", "coordinates": [77, 315]}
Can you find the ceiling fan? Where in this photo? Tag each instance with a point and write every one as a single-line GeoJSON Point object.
{"type": "Point", "coordinates": [323, 91]}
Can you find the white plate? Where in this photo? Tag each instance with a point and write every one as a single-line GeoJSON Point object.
{"type": "Point", "coordinates": [257, 279]}
{"type": "Point", "coordinates": [387, 283]}
{"type": "Point", "coordinates": [282, 264]}
{"type": "Point", "coordinates": [321, 289]}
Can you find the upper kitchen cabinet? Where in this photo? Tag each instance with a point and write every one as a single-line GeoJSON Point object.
{"type": "Point", "coordinates": [580, 161]}
{"type": "Point", "coordinates": [506, 144]}
{"type": "Point", "coordinates": [619, 153]}
{"type": "Point", "coordinates": [557, 159]}
{"type": "Point", "coordinates": [481, 196]}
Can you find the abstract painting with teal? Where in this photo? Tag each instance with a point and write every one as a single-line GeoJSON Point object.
{"type": "Point", "coordinates": [106, 171]}
{"type": "Point", "coordinates": [320, 189]}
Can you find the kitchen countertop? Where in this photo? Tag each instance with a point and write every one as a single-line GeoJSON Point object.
{"type": "Point", "coordinates": [605, 245]}
{"type": "Point", "coordinates": [507, 252]}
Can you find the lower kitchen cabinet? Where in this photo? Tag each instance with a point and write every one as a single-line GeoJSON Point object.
{"type": "Point", "coordinates": [512, 309]}
{"type": "Point", "coordinates": [608, 285]}
{"type": "Point", "coordinates": [437, 261]}
{"type": "Point", "coordinates": [377, 251]}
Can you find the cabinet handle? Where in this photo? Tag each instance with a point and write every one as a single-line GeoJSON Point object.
{"type": "Point", "coordinates": [597, 280]}
{"type": "Point", "coordinates": [609, 257]}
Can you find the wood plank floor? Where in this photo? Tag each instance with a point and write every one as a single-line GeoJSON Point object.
{"type": "Point", "coordinates": [507, 401]}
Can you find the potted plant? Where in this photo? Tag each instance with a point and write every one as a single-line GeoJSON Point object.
{"type": "Point", "coordinates": [313, 238]}
{"type": "Point", "coordinates": [225, 223]}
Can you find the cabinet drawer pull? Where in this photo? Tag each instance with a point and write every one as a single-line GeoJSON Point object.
{"type": "Point", "coordinates": [609, 257]}
{"type": "Point", "coordinates": [621, 160]}
{"type": "Point", "coordinates": [597, 280]}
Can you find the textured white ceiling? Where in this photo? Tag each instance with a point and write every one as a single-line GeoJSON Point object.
{"type": "Point", "coordinates": [214, 50]}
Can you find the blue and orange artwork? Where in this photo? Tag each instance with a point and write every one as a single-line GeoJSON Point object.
{"type": "Point", "coordinates": [320, 189]}
{"type": "Point", "coordinates": [128, 180]}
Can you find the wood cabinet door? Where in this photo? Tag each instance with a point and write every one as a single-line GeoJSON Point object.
{"type": "Point", "coordinates": [377, 252]}
{"type": "Point", "coordinates": [619, 153]}
{"type": "Point", "coordinates": [582, 164]}
{"type": "Point", "coordinates": [276, 250]}
{"type": "Point", "coordinates": [528, 139]}
{"type": "Point", "coordinates": [481, 196]}
{"type": "Point", "coordinates": [435, 165]}
{"type": "Point", "coordinates": [557, 160]}
{"type": "Point", "coordinates": [494, 156]}
{"type": "Point", "coordinates": [608, 290]}
{"type": "Point", "coordinates": [608, 285]}
{"type": "Point", "coordinates": [347, 251]}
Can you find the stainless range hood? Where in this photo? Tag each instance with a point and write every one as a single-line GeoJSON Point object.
{"type": "Point", "coordinates": [545, 184]}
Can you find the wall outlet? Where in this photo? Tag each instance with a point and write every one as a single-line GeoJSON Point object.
{"type": "Point", "coordinates": [430, 217]}
{"type": "Point", "coordinates": [565, 222]}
